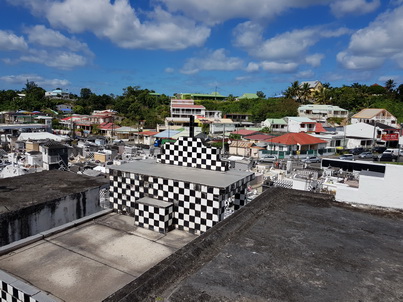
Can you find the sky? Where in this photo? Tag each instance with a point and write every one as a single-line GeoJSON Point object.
{"type": "Point", "coordinates": [199, 46]}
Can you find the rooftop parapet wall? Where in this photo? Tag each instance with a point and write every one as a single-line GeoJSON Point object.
{"type": "Point", "coordinates": [36, 202]}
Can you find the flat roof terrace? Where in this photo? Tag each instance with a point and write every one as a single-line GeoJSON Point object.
{"type": "Point", "coordinates": [186, 174]}
{"type": "Point", "coordinates": [35, 188]}
{"type": "Point", "coordinates": [286, 245]}
{"type": "Point", "coordinates": [93, 260]}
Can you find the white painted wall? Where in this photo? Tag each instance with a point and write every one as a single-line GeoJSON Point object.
{"type": "Point", "coordinates": [360, 130]}
{"type": "Point", "coordinates": [384, 191]}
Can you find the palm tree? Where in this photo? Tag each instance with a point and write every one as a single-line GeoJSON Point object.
{"type": "Point", "coordinates": [304, 93]}
{"type": "Point", "coordinates": [293, 91]}
{"type": "Point", "coordinates": [322, 96]}
{"type": "Point", "coordinates": [389, 85]}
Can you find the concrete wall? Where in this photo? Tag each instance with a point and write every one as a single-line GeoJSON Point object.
{"type": "Point", "coordinates": [32, 220]}
{"type": "Point", "coordinates": [384, 191]}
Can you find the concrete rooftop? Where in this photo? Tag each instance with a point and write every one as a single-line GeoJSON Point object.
{"type": "Point", "coordinates": [93, 260]}
{"type": "Point", "coordinates": [286, 245]}
{"type": "Point", "coordinates": [200, 176]}
{"type": "Point", "coordinates": [25, 190]}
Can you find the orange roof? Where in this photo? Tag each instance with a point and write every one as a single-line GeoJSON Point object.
{"type": "Point", "coordinates": [319, 128]}
{"type": "Point", "coordinates": [108, 126]}
{"type": "Point", "coordinates": [297, 139]}
{"type": "Point", "coordinates": [258, 137]}
{"type": "Point", "coordinates": [244, 132]}
{"type": "Point", "coordinates": [148, 133]}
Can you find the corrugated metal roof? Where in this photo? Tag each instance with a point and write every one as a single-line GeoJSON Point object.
{"type": "Point", "coordinates": [369, 113]}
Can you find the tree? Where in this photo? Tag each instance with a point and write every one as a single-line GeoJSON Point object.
{"type": "Point", "coordinates": [389, 85]}
{"type": "Point", "coordinates": [293, 91]}
{"type": "Point", "coordinates": [322, 96]}
{"type": "Point", "coordinates": [30, 86]}
{"type": "Point", "coordinates": [260, 94]}
{"type": "Point", "coordinates": [85, 93]}
{"type": "Point", "coordinates": [230, 98]}
{"type": "Point", "coordinates": [304, 93]}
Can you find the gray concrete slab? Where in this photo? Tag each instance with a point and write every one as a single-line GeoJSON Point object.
{"type": "Point", "coordinates": [93, 260]}
{"type": "Point", "coordinates": [286, 245]}
{"type": "Point", "coordinates": [200, 176]}
{"type": "Point", "coordinates": [66, 274]}
{"type": "Point", "coordinates": [23, 191]}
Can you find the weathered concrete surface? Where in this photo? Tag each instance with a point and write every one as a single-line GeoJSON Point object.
{"type": "Point", "coordinates": [284, 246]}
{"type": "Point", "coordinates": [33, 203]}
{"type": "Point", "coordinates": [36, 188]}
{"type": "Point", "coordinates": [93, 260]}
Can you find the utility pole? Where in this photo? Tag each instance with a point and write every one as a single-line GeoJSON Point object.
{"type": "Point", "coordinates": [373, 137]}
{"type": "Point", "coordinates": [223, 139]}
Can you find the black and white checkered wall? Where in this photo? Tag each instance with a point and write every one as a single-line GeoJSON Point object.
{"type": "Point", "coordinates": [15, 290]}
{"type": "Point", "coordinates": [191, 152]}
{"type": "Point", "coordinates": [157, 218]}
{"type": "Point", "coordinates": [196, 207]}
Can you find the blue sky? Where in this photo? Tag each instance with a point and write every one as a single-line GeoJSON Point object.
{"type": "Point", "coordinates": [170, 46]}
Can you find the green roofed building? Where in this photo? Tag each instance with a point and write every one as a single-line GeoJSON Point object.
{"type": "Point", "coordinates": [201, 96]}
{"type": "Point", "coordinates": [250, 96]}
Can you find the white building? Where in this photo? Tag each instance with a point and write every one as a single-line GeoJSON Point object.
{"type": "Point", "coordinates": [186, 108]}
{"type": "Point", "coordinates": [322, 112]}
{"type": "Point", "coordinates": [57, 94]}
{"type": "Point", "coordinates": [275, 124]}
{"type": "Point", "coordinates": [367, 135]}
{"type": "Point", "coordinates": [300, 124]}
{"type": "Point", "coordinates": [378, 189]}
{"type": "Point", "coordinates": [374, 115]}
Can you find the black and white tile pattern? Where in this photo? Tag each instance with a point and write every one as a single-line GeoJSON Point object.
{"type": "Point", "coordinates": [155, 215]}
{"type": "Point", "coordinates": [196, 207]}
{"type": "Point", "coordinates": [191, 152]}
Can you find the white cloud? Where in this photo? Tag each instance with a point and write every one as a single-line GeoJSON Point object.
{"type": "Point", "coordinates": [385, 78]}
{"type": "Point", "coordinates": [307, 74]}
{"type": "Point", "coordinates": [279, 67]}
{"type": "Point", "coordinates": [359, 62]}
{"type": "Point", "coordinates": [212, 60]}
{"type": "Point", "coordinates": [10, 41]}
{"type": "Point", "coordinates": [356, 7]}
{"type": "Point", "coordinates": [22, 79]}
{"type": "Point", "coordinates": [314, 60]}
{"type": "Point", "coordinates": [252, 66]}
{"type": "Point", "coordinates": [119, 22]}
{"type": "Point", "coordinates": [373, 45]}
{"type": "Point", "coordinates": [248, 35]}
{"type": "Point", "coordinates": [217, 11]}
{"type": "Point", "coordinates": [169, 70]}
{"type": "Point", "coordinates": [58, 59]}
{"type": "Point", "coordinates": [47, 37]}
{"type": "Point", "coordinates": [292, 45]}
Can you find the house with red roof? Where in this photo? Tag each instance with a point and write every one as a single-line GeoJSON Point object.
{"type": "Point", "coordinates": [108, 129]}
{"type": "Point", "coordinates": [145, 137]}
{"type": "Point", "coordinates": [244, 132]}
{"type": "Point", "coordinates": [258, 138]}
{"type": "Point", "coordinates": [296, 142]}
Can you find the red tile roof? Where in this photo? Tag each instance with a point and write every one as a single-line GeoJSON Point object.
{"type": "Point", "coordinates": [148, 133]}
{"type": "Point", "coordinates": [108, 126]}
{"type": "Point", "coordinates": [244, 132]}
{"type": "Point", "coordinates": [258, 137]}
{"type": "Point", "coordinates": [297, 139]}
{"type": "Point", "coordinates": [319, 128]}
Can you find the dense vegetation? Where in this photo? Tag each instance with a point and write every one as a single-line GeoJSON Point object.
{"type": "Point", "coordinates": [138, 105]}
